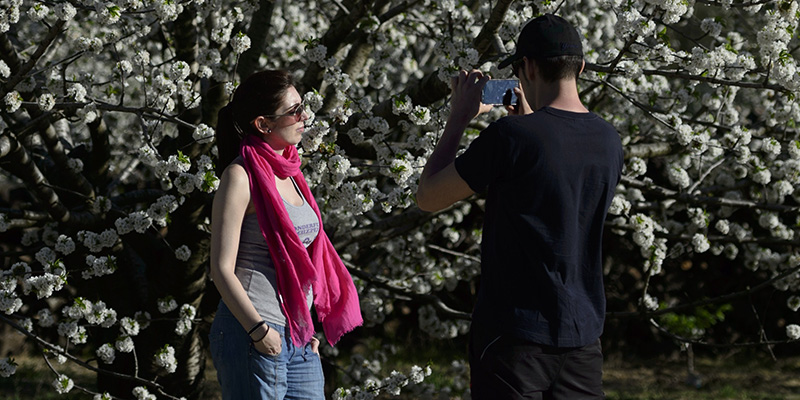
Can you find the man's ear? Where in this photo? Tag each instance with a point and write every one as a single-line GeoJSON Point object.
{"type": "Point", "coordinates": [529, 68]}
{"type": "Point", "coordinates": [583, 66]}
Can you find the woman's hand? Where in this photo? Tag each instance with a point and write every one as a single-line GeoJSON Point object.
{"type": "Point", "coordinates": [270, 344]}
{"type": "Point", "coordinates": [314, 345]}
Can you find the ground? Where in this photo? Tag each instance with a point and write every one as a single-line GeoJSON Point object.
{"type": "Point", "coordinates": [741, 377]}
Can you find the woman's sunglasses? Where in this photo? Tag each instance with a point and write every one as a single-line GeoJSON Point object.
{"type": "Point", "coordinates": [297, 113]}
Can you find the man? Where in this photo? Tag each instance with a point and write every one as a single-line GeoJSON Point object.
{"type": "Point", "coordinates": [549, 176]}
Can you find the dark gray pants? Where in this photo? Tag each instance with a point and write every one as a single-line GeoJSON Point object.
{"type": "Point", "coordinates": [510, 368]}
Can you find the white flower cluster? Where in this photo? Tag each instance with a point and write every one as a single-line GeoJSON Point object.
{"type": "Point", "coordinates": [141, 393]}
{"type": "Point", "coordinates": [240, 43]}
{"type": "Point", "coordinates": [165, 358]}
{"type": "Point", "coordinates": [44, 285]}
{"type": "Point", "coordinates": [137, 220]}
{"type": "Point", "coordinates": [653, 249]}
{"type": "Point", "coordinates": [129, 326]}
{"type": "Point", "coordinates": [793, 303]}
{"type": "Point", "coordinates": [45, 318]}
{"type": "Point", "coordinates": [63, 384]}
{"type": "Point", "coordinates": [187, 314]}
{"type": "Point", "coordinates": [106, 353]}
{"type": "Point", "coordinates": [372, 307]}
{"type": "Point", "coordinates": [96, 242]}
{"type": "Point", "coordinates": [430, 323]}
{"type": "Point", "coordinates": [7, 367]}
{"type": "Point", "coordinates": [793, 331]}
{"type": "Point", "coordinates": [13, 101]}
{"type": "Point", "coordinates": [124, 344]}
{"type": "Point", "coordinates": [159, 210]}
{"type": "Point", "coordinates": [99, 266]}
{"type": "Point", "coordinates": [183, 253]}
{"type": "Point", "coordinates": [619, 205]}
{"type": "Point", "coordinates": [203, 134]}
{"type": "Point", "coordinates": [314, 136]}
{"type": "Point", "coordinates": [352, 198]}
{"type": "Point", "coordinates": [167, 304]}
{"type": "Point", "coordinates": [392, 384]}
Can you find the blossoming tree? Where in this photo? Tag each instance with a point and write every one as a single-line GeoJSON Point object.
{"type": "Point", "coordinates": [107, 163]}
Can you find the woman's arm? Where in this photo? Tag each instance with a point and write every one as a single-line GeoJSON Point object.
{"type": "Point", "coordinates": [230, 204]}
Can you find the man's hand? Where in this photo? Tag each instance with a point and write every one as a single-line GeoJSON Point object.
{"type": "Point", "coordinates": [522, 107]}
{"type": "Point", "coordinates": [465, 102]}
{"type": "Point", "coordinates": [439, 184]}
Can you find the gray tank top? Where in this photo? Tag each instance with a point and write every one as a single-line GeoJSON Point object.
{"type": "Point", "coordinates": [254, 266]}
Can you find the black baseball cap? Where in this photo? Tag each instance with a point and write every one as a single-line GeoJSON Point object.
{"type": "Point", "coordinates": [546, 36]}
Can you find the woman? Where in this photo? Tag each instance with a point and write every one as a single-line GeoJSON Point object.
{"type": "Point", "coordinates": [269, 254]}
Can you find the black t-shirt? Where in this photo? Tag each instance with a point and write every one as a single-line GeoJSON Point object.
{"type": "Point", "coordinates": [550, 177]}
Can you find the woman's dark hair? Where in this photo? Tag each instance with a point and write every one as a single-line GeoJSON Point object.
{"type": "Point", "coordinates": [554, 69]}
{"type": "Point", "coordinates": [259, 94]}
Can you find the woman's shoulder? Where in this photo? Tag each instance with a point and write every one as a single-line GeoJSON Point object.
{"type": "Point", "coordinates": [235, 169]}
{"type": "Point", "coordinates": [235, 177]}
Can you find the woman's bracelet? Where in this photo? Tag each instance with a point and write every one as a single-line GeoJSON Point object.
{"type": "Point", "coordinates": [253, 329]}
{"type": "Point", "coordinates": [262, 337]}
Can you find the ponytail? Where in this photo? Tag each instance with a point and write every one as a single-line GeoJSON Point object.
{"type": "Point", "coordinates": [228, 136]}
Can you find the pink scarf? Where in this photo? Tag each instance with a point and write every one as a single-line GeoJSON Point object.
{"type": "Point", "coordinates": [298, 268]}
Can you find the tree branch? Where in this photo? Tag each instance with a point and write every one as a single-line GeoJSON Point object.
{"type": "Point", "coordinates": [20, 74]}
{"type": "Point", "coordinates": [664, 193]}
{"type": "Point", "coordinates": [433, 300]}
{"type": "Point", "coordinates": [15, 159]}
{"type": "Point", "coordinates": [701, 303]}
{"type": "Point", "coordinates": [84, 364]}
{"type": "Point", "coordinates": [258, 32]}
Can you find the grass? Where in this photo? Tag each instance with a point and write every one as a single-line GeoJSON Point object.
{"type": "Point", "coordinates": [742, 378]}
{"type": "Point", "coordinates": [739, 378]}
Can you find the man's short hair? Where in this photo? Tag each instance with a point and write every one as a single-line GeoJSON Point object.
{"type": "Point", "coordinates": [553, 69]}
{"type": "Point", "coordinates": [553, 43]}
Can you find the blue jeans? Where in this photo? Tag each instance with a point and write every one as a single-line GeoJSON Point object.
{"type": "Point", "coordinates": [245, 373]}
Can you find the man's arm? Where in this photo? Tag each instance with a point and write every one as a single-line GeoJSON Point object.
{"type": "Point", "coordinates": [440, 185]}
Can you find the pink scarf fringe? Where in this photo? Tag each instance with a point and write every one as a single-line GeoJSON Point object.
{"type": "Point", "coordinates": [298, 268]}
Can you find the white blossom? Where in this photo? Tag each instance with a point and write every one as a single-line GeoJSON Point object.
{"type": "Point", "coordinates": [165, 358]}
{"type": "Point", "coordinates": [700, 243]}
{"type": "Point", "coordinates": [203, 134]}
{"type": "Point", "coordinates": [63, 384]}
{"type": "Point", "coordinates": [793, 303]}
{"type": "Point", "coordinates": [183, 253]}
{"type": "Point", "coordinates": [124, 344]}
{"type": "Point", "coordinates": [64, 11]}
{"type": "Point", "coordinates": [13, 101]}
{"type": "Point", "coordinates": [7, 367]}
{"type": "Point", "coordinates": [46, 102]}
{"type": "Point", "coordinates": [106, 353]}
{"type": "Point", "coordinates": [167, 304]}
{"type": "Point", "coordinates": [793, 331]}
{"type": "Point", "coordinates": [240, 43]}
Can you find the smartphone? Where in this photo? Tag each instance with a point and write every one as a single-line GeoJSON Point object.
{"type": "Point", "coordinates": [500, 92]}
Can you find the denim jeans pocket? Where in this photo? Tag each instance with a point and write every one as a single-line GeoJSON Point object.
{"type": "Point", "coordinates": [273, 357]}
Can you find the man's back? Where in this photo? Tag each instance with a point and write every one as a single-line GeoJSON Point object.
{"type": "Point", "coordinates": [550, 178]}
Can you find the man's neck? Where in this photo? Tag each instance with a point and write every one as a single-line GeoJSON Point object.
{"type": "Point", "coordinates": [562, 95]}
